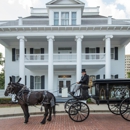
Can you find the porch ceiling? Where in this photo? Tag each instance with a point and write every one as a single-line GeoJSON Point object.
{"type": "Point", "coordinates": [37, 67]}
{"type": "Point", "coordinates": [93, 66]}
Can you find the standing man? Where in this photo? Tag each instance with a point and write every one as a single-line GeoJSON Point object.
{"type": "Point", "coordinates": [84, 81]}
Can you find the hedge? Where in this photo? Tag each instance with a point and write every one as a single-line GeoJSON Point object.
{"type": "Point", "coordinates": [5, 100]}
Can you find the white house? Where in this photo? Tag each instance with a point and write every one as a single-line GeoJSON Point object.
{"type": "Point", "coordinates": [49, 48]}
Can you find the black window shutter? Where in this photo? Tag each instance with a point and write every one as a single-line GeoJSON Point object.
{"type": "Point", "coordinates": [13, 54]}
{"type": "Point", "coordinates": [97, 50]}
{"type": "Point", "coordinates": [116, 53]}
{"type": "Point", "coordinates": [104, 76]}
{"type": "Point", "coordinates": [31, 82]}
{"type": "Point", "coordinates": [97, 76]}
{"type": "Point", "coordinates": [25, 51]}
{"type": "Point", "coordinates": [42, 50]}
{"type": "Point", "coordinates": [116, 76]}
{"type": "Point", "coordinates": [86, 50]}
{"type": "Point", "coordinates": [42, 82]}
{"type": "Point", "coordinates": [25, 80]}
{"type": "Point", "coordinates": [31, 50]}
{"type": "Point", "coordinates": [13, 79]}
{"type": "Point", "coordinates": [104, 50]}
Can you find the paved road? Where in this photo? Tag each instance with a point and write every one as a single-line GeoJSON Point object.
{"type": "Point", "coordinates": [63, 122]}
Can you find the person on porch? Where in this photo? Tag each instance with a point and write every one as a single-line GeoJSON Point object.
{"type": "Point", "coordinates": [84, 81]}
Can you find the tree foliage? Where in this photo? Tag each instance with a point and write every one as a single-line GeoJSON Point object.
{"type": "Point", "coordinates": [2, 79]}
{"type": "Point", "coordinates": [128, 74]}
{"type": "Point", "coordinates": [1, 59]}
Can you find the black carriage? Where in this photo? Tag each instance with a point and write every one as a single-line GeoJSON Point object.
{"type": "Point", "coordinates": [113, 92]}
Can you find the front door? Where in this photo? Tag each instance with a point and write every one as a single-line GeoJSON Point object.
{"type": "Point", "coordinates": [64, 83]}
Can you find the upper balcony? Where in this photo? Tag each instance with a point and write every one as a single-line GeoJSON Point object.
{"type": "Point", "coordinates": [64, 58]}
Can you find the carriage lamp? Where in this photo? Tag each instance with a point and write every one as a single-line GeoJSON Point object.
{"type": "Point", "coordinates": [90, 84]}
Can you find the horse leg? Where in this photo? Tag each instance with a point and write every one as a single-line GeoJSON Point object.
{"type": "Point", "coordinates": [25, 113]}
{"type": "Point", "coordinates": [45, 115]}
{"type": "Point", "coordinates": [28, 115]}
{"type": "Point", "coordinates": [50, 112]}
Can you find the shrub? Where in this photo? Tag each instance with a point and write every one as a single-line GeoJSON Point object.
{"type": "Point", "coordinates": [89, 100]}
{"type": "Point", "coordinates": [5, 100]}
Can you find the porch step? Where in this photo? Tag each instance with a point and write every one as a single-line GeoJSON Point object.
{"type": "Point", "coordinates": [62, 100]}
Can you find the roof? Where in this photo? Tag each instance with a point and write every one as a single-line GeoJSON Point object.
{"type": "Point", "coordinates": [54, 1]}
{"type": "Point", "coordinates": [29, 17]}
{"type": "Point", "coordinates": [93, 16]}
{"type": "Point", "coordinates": [111, 81]}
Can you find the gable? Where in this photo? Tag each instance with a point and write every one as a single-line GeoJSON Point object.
{"type": "Point", "coordinates": [64, 2]}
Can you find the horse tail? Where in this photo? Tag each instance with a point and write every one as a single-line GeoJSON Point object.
{"type": "Point", "coordinates": [54, 107]}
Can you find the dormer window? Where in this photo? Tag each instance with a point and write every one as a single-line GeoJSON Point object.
{"type": "Point", "coordinates": [65, 18]}
{"type": "Point", "coordinates": [56, 18]}
{"type": "Point", "coordinates": [73, 18]}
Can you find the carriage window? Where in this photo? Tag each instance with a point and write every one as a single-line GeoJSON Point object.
{"type": "Point", "coordinates": [37, 82]}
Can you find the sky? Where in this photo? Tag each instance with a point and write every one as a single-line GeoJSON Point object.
{"type": "Point", "coordinates": [12, 9]}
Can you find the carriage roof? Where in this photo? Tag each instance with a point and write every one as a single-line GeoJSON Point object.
{"type": "Point", "coordinates": [111, 81]}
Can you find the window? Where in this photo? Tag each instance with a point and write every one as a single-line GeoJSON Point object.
{"type": "Point", "coordinates": [112, 53]}
{"type": "Point", "coordinates": [65, 18]}
{"type": "Point", "coordinates": [37, 82]}
{"type": "Point", "coordinates": [16, 54]}
{"type": "Point", "coordinates": [37, 51]}
{"type": "Point", "coordinates": [92, 50]}
{"type": "Point", "coordinates": [73, 18]}
{"type": "Point", "coordinates": [56, 18]}
{"type": "Point", "coordinates": [65, 50]}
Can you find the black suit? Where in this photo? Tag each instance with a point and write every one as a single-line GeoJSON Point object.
{"type": "Point", "coordinates": [84, 80]}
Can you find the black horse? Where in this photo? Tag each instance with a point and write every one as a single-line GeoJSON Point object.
{"type": "Point", "coordinates": [26, 98]}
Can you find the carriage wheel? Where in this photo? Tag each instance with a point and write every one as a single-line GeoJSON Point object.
{"type": "Point", "coordinates": [68, 104]}
{"type": "Point", "coordinates": [114, 108]}
{"type": "Point", "coordinates": [79, 111]}
{"type": "Point", "coordinates": [125, 109]}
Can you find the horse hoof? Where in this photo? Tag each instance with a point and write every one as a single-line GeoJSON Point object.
{"type": "Point", "coordinates": [49, 119]}
{"type": "Point", "coordinates": [42, 123]}
{"type": "Point", "coordinates": [25, 122]}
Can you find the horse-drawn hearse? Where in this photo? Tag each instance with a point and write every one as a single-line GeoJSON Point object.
{"type": "Point", "coordinates": [113, 92]}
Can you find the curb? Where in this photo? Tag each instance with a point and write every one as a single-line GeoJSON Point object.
{"type": "Point", "coordinates": [58, 112]}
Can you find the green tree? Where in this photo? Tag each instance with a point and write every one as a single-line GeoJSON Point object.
{"type": "Point", "coordinates": [1, 59]}
{"type": "Point", "coordinates": [128, 74]}
{"type": "Point", "coordinates": [2, 79]}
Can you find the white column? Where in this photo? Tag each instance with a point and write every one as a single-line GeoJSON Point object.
{"type": "Point", "coordinates": [50, 63]}
{"type": "Point", "coordinates": [79, 61]}
{"type": "Point", "coordinates": [21, 58]}
{"type": "Point", "coordinates": [108, 56]}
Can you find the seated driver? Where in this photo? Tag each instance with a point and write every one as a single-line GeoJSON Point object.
{"type": "Point", "coordinates": [84, 81]}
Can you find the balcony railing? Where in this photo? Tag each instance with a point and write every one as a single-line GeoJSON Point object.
{"type": "Point", "coordinates": [64, 57]}
{"type": "Point", "coordinates": [36, 57]}
{"type": "Point", "coordinates": [93, 57]}
{"type": "Point", "coordinates": [90, 57]}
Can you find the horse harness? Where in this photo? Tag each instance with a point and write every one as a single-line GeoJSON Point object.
{"type": "Point", "coordinates": [25, 90]}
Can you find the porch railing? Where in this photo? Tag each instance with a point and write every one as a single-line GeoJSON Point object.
{"type": "Point", "coordinates": [64, 57]}
{"type": "Point", "coordinates": [36, 57]}
{"type": "Point", "coordinates": [93, 57]}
